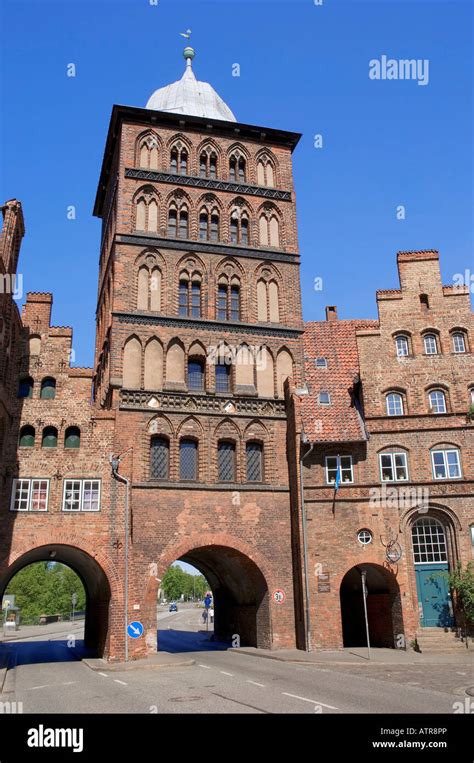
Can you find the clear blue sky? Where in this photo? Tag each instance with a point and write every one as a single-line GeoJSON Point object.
{"type": "Point", "coordinates": [303, 68]}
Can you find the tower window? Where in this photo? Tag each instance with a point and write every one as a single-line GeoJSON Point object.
{"type": "Point", "coordinates": [27, 437]}
{"type": "Point", "coordinates": [50, 437]}
{"type": "Point", "coordinates": [424, 302]}
{"type": "Point", "coordinates": [254, 456]}
{"type": "Point", "coordinates": [48, 389]}
{"type": "Point", "coordinates": [159, 458]}
{"type": "Point", "coordinates": [188, 459]}
{"type": "Point", "coordinates": [196, 374]}
{"type": "Point", "coordinates": [72, 437]}
{"type": "Point", "coordinates": [459, 343]}
{"type": "Point", "coordinates": [222, 377]}
{"type": "Point", "coordinates": [430, 344]}
{"type": "Point", "coordinates": [226, 461]}
{"type": "Point", "coordinates": [25, 387]}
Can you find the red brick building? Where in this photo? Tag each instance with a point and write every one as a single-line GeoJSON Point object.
{"type": "Point", "coordinates": [388, 463]}
{"type": "Point", "coordinates": [199, 327]}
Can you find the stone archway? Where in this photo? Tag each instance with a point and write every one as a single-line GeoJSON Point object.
{"type": "Point", "coordinates": [384, 611]}
{"type": "Point", "coordinates": [93, 577]}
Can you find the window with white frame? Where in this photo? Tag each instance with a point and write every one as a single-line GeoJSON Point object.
{"type": "Point", "coordinates": [437, 400]}
{"type": "Point", "coordinates": [429, 541]}
{"type": "Point", "coordinates": [430, 343]}
{"type": "Point", "coordinates": [324, 398]}
{"type": "Point", "coordinates": [446, 464]}
{"type": "Point", "coordinates": [393, 467]}
{"type": "Point", "coordinates": [345, 463]}
{"type": "Point", "coordinates": [29, 495]}
{"type": "Point", "coordinates": [81, 495]}
{"type": "Point", "coordinates": [459, 342]}
{"type": "Point", "coordinates": [394, 404]}
{"type": "Point", "coordinates": [402, 346]}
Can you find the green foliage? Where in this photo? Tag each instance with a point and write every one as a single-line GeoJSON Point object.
{"type": "Point", "coordinates": [462, 582]}
{"type": "Point", "coordinates": [45, 588]}
{"type": "Point", "coordinates": [177, 582]}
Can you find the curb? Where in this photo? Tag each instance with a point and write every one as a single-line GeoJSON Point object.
{"type": "Point", "coordinates": [8, 665]}
{"type": "Point", "coordinates": [118, 667]}
{"type": "Point", "coordinates": [346, 663]}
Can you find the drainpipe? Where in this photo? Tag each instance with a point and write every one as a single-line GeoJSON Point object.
{"type": "Point", "coordinates": [304, 441]}
{"type": "Point", "coordinates": [115, 462]}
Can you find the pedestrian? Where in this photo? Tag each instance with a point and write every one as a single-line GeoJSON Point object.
{"type": "Point", "coordinates": [204, 615]}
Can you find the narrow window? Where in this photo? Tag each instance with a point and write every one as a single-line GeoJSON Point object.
{"type": "Point", "coordinates": [222, 377]}
{"type": "Point", "coordinates": [203, 226]}
{"type": "Point", "coordinates": [188, 459]}
{"type": "Point", "coordinates": [234, 303]}
{"type": "Point", "coordinates": [459, 343]}
{"type": "Point", "coordinates": [159, 458]}
{"type": "Point", "coordinates": [226, 461]}
{"type": "Point", "coordinates": [183, 298]}
{"type": "Point", "coordinates": [25, 387]}
{"type": "Point", "coordinates": [183, 165]}
{"type": "Point", "coordinates": [196, 374]}
{"type": "Point", "coordinates": [254, 456]}
{"type": "Point", "coordinates": [214, 228]}
{"type": "Point", "coordinates": [174, 161]}
{"type": "Point", "coordinates": [172, 223]}
{"type": "Point", "coordinates": [183, 224]}
{"type": "Point", "coordinates": [437, 401]}
{"type": "Point", "coordinates": [232, 170]}
{"type": "Point", "coordinates": [196, 299]}
{"type": "Point", "coordinates": [244, 231]}
{"type": "Point", "coordinates": [203, 166]}
{"type": "Point", "coordinates": [431, 345]}
{"type": "Point", "coordinates": [401, 343]}
{"type": "Point", "coordinates": [213, 166]}
{"type": "Point", "coordinates": [222, 302]}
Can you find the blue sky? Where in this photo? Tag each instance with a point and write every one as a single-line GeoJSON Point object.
{"type": "Point", "coordinates": [304, 68]}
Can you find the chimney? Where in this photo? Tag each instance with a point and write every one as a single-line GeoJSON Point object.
{"type": "Point", "coordinates": [331, 313]}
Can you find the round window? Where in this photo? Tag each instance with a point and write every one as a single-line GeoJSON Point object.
{"type": "Point", "coordinates": [364, 537]}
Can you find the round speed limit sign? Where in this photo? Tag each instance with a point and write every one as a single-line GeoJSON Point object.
{"type": "Point", "coordinates": [279, 596]}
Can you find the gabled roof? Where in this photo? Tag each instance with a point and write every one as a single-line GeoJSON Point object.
{"type": "Point", "coordinates": [334, 340]}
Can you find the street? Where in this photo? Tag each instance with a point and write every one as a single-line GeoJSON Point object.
{"type": "Point", "coordinates": [50, 678]}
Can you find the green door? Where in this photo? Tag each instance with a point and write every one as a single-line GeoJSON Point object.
{"type": "Point", "coordinates": [434, 597]}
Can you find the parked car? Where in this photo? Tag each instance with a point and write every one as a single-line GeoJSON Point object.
{"type": "Point", "coordinates": [173, 607]}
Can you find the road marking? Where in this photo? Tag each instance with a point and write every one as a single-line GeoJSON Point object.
{"type": "Point", "coordinates": [68, 683]}
{"type": "Point", "coordinates": [103, 674]}
{"type": "Point", "coordinates": [43, 686]}
{"type": "Point", "coordinates": [204, 666]}
{"type": "Point", "coordinates": [117, 681]}
{"type": "Point", "coordinates": [313, 701]}
{"type": "Point", "coordinates": [255, 683]}
{"type": "Point", "coordinates": [226, 674]}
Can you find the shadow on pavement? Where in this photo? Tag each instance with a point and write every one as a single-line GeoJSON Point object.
{"type": "Point", "coordinates": [36, 652]}
{"type": "Point", "coordinates": [176, 641]}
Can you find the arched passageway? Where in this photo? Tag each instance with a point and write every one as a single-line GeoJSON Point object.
{"type": "Point", "coordinates": [93, 578]}
{"type": "Point", "coordinates": [240, 593]}
{"type": "Point", "coordinates": [383, 607]}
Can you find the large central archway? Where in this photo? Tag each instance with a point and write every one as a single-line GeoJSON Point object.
{"type": "Point", "coordinates": [240, 591]}
{"type": "Point", "coordinates": [383, 607]}
{"type": "Point", "coordinates": [93, 577]}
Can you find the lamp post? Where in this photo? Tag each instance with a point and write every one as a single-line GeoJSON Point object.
{"type": "Point", "coordinates": [115, 462]}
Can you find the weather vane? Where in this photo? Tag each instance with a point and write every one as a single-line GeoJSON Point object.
{"type": "Point", "coordinates": [186, 34]}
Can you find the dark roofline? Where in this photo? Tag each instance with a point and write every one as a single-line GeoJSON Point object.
{"type": "Point", "coordinates": [180, 122]}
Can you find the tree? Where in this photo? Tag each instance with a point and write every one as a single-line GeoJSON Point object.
{"type": "Point", "coordinates": [177, 582]}
{"type": "Point", "coordinates": [462, 582]}
{"type": "Point", "coordinates": [46, 588]}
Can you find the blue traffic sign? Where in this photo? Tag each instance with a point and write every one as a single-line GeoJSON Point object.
{"type": "Point", "coordinates": [135, 629]}
{"type": "Point", "coordinates": [207, 602]}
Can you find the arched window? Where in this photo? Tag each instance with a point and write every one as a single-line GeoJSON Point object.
{"type": "Point", "coordinates": [146, 217]}
{"type": "Point", "coordinates": [25, 387]}
{"type": "Point", "coordinates": [179, 160]}
{"type": "Point", "coordinates": [269, 228]}
{"type": "Point", "coordinates": [429, 541]}
{"type": "Point", "coordinates": [203, 226]}
{"type": "Point", "coordinates": [49, 438]}
{"type": "Point", "coordinates": [149, 289]}
{"type": "Point", "coordinates": [132, 364]}
{"type": "Point", "coordinates": [394, 404]}
{"type": "Point", "coordinates": [159, 458]}
{"type": "Point", "coordinates": [27, 437]}
{"type": "Point", "coordinates": [196, 373]}
{"type": "Point", "coordinates": [268, 301]}
{"type": "Point", "coordinates": [265, 172]}
{"type": "Point", "coordinates": [228, 299]}
{"type": "Point", "coordinates": [183, 223]}
{"type": "Point", "coordinates": [237, 169]}
{"type": "Point", "coordinates": [226, 461]}
{"type": "Point", "coordinates": [223, 370]}
{"type": "Point", "coordinates": [284, 370]}
{"type": "Point", "coordinates": [437, 401]}
{"type": "Point", "coordinates": [239, 228]}
{"type": "Point", "coordinates": [208, 165]}
{"type": "Point", "coordinates": [172, 223]}
{"type": "Point", "coordinates": [214, 227]}
{"type": "Point", "coordinates": [72, 437]}
{"type": "Point", "coordinates": [459, 342]}
{"type": "Point", "coordinates": [189, 296]}
{"type": "Point", "coordinates": [48, 389]}
{"type": "Point", "coordinates": [188, 459]}
{"type": "Point", "coordinates": [402, 346]}
{"type": "Point", "coordinates": [431, 344]}
{"type": "Point", "coordinates": [254, 458]}
{"type": "Point", "coordinates": [148, 153]}
{"type": "Point", "coordinates": [393, 466]}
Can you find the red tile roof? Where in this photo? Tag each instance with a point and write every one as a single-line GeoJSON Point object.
{"type": "Point", "coordinates": [334, 340]}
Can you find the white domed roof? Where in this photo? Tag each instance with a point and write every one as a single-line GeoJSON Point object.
{"type": "Point", "coordinates": [191, 97]}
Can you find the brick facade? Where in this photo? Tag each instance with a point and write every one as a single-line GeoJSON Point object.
{"type": "Point", "coordinates": [246, 535]}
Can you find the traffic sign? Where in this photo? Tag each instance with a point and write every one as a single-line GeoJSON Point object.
{"type": "Point", "coordinates": [279, 596]}
{"type": "Point", "coordinates": [74, 599]}
{"type": "Point", "coordinates": [207, 602]}
{"type": "Point", "coordinates": [135, 629]}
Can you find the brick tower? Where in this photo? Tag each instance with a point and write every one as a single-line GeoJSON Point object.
{"type": "Point", "coordinates": [198, 326]}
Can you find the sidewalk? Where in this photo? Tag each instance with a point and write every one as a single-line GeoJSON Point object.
{"type": "Point", "coordinates": [358, 656]}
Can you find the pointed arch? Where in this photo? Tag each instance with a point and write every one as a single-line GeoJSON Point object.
{"type": "Point", "coordinates": [175, 357]}
{"type": "Point", "coordinates": [148, 149]}
{"type": "Point", "coordinates": [265, 372]}
{"type": "Point", "coordinates": [132, 363]}
{"type": "Point", "coordinates": [153, 365]}
{"type": "Point", "coordinates": [284, 369]}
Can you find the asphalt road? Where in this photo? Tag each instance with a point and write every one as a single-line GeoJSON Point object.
{"type": "Point", "coordinates": [50, 679]}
